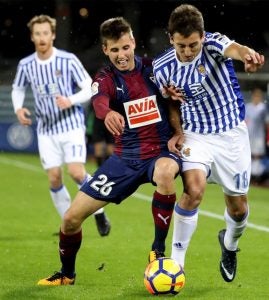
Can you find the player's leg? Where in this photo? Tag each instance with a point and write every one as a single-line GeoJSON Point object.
{"type": "Point", "coordinates": [58, 191]}
{"type": "Point", "coordinates": [196, 163]}
{"type": "Point", "coordinates": [186, 211]}
{"type": "Point", "coordinates": [70, 238]}
{"type": "Point", "coordinates": [233, 155]}
{"type": "Point", "coordinates": [75, 157]}
{"type": "Point", "coordinates": [51, 158]}
{"type": "Point", "coordinates": [102, 151]}
{"type": "Point", "coordinates": [235, 216]}
{"type": "Point", "coordinates": [165, 171]}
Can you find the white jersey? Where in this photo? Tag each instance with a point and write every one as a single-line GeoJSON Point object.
{"type": "Point", "coordinates": [213, 101]}
{"type": "Point", "coordinates": [61, 74]}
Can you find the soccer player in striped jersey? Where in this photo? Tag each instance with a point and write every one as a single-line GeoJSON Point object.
{"type": "Point", "coordinates": [198, 71]}
{"type": "Point", "coordinates": [54, 76]}
{"type": "Point", "coordinates": [126, 97]}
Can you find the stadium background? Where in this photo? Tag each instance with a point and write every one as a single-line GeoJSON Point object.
{"type": "Point", "coordinates": [78, 31]}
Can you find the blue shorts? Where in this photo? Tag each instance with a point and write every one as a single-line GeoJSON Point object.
{"type": "Point", "coordinates": [119, 178]}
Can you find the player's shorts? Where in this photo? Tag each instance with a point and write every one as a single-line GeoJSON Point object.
{"type": "Point", "coordinates": [225, 157]}
{"type": "Point", "coordinates": [100, 132]}
{"type": "Point", "coordinates": [58, 149]}
{"type": "Point", "coordinates": [119, 178]}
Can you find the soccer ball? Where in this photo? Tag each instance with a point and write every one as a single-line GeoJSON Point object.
{"type": "Point", "coordinates": [164, 276]}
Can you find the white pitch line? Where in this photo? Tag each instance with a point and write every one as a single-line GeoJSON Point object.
{"type": "Point", "coordinates": [20, 164]}
{"type": "Point", "coordinates": [136, 195]}
{"type": "Point", "coordinates": [205, 213]}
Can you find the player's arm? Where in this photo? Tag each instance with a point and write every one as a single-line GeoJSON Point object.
{"type": "Point", "coordinates": [251, 59]}
{"type": "Point", "coordinates": [113, 120]}
{"type": "Point", "coordinates": [166, 89]}
{"type": "Point", "coordinates": [176, 142]}
{"type": "Point", "coordinates": [23, 113]}
{"type": "Point", "coordinates": [103, 90]}
{"type": "Point", "coordinates": [82, 96]}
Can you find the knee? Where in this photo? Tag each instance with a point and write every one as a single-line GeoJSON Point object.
{"type": "Point", "coordinates": [239, 213]}
{"type": "Point", "coordinates": [195, 190]}
{"type": "Point", "coordinates": [71, 224]}
{"type": "Point", "coordinates": [55, 179]}
{"type": "Point", "coordinates": [166, 177]}
{"type": "Point", "coordinates": [165, 172]}
{"type": "Point", "coordinates": [237, 207]}
{"type": "Point", "coordinates": [194, 194]}
{"type": "Point", "coordinates": [77, 175]}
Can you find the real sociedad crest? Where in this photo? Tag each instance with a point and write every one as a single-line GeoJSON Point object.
{"type": "Point", "coordinates": [202, 70]}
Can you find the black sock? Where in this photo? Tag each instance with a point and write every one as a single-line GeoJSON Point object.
{"type": "Point", "coordinates": [68, 248]}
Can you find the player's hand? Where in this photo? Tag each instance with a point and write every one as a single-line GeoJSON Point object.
{"type": "Point", "coordinates": [176, 142]}
{"type": "Point", "coordinates": [63, 102]}
{"type": "Point", "coordinates": [114, 122]}
{"type": "Point", "coordinates": [253, 61]}
{"type": "Point", "coordinates": [23, 115]}
{"type": "Point", "coordinates": [173, 92]}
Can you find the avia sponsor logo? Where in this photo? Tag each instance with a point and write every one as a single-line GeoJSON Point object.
{"type": "Point", "coordinates": [142, 112]}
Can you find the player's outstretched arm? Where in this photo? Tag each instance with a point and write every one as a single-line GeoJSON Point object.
{"type": "Point", "coordinates": [252, 59]}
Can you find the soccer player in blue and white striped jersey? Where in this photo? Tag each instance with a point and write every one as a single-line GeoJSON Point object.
{"type": "Point", "coordinates": [198, 71]}
{"type": "Point", "coordinates": [59, 83]}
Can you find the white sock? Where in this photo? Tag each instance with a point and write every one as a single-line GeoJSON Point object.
{"type": "Point", "coordinates": [185, 223]}
{"type": "Point", "coordinates": [233, 230]}
{"type": "Point", "coordinates": [61, 200]}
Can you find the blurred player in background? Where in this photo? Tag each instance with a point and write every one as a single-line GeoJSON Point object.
{"type": "Point", "coordinates": [198, 71]}
{"type": "Point", "coordinates": [257, 119]}
{"type": "Point", "coordinates": [99, 137]}
{"type": "Point", "coordinates": [54, 75]}
{"type": "Point", "coordinates": [126, 97]}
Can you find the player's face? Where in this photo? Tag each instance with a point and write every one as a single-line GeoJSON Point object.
{"type": "Point", "coordinates": [121, 52]}
{"type": "Point", "coordinates": [187, 48]}
{"type": "Point", "coordinates": [42, 37]}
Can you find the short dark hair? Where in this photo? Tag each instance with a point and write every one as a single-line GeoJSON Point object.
{"type": "Point", "coordinates": [114, 28]}
{"type": "Point", "coordinates": [186, 19]}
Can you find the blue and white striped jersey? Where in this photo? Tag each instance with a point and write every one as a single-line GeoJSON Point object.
{"type": "Point", "coordinates": [209, 84]}
{"type": "Point", "coordinates": [61, 74]}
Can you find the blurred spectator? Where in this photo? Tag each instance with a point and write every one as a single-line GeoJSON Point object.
{"type": "Point", "coordinates": [257, 119]}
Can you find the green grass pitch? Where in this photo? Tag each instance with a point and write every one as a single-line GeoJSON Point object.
{"type": "Point", "coordinates": [29, 250]}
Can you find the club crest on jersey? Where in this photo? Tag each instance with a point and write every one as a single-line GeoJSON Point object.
{"type": "Point", "coordinates": [95, 87]}
{"type": "Point", "coordinates": [202, 70]}
{"type": "Point", "coordinates": [142, 112]}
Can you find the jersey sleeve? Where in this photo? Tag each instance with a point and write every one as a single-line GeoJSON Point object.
{"type": "Point", "coordinates": [20, 82]}
{"type": "Point", "coordinates": [161, 68]}
{"type": "Point", "coordinates": [217, 42]}
{"type": "Point", "coordinates": [103, 92]}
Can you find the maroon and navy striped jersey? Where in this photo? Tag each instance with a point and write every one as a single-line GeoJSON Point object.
{"type": "Point", "coordinates": [134, 95]}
